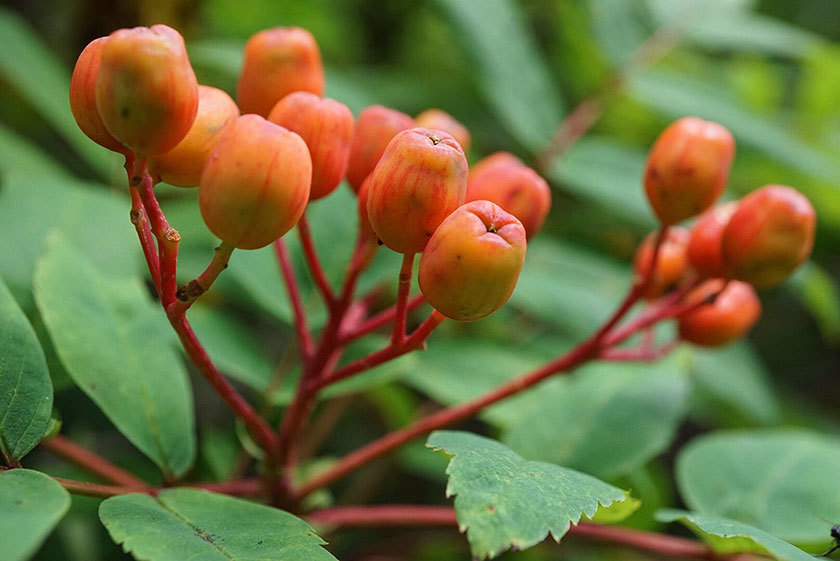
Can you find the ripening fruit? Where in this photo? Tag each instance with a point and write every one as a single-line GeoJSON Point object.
{"type": "Point", "coordinates": [182, 165]}
{"type": "Point", "coordinates": [687, 168]}
{"type": "Point", "coordinates": [278, 61]}
{"type": "Point", "coordinates": [146, 91]}
{"type": "Point", "coordinates": [517, 189]}
{"type": "Point", "coordinates": [365, 229]}
{"type": "Point", "coordinates": [327, 128]}
{"type": "Point", "coordinates": [769, 235]}
{"type": "Point", "coordinates": [704, 248]}
{"type": "Point", "coordinates": [472, 262]}
{"type": "Point", "coordinates": [490, 163]}
{"type": "Point", "coordinates": [441, 120]}
{"type": "Point", "coordinates": [728, 318]}
{"type": "Point", "coordinates": [671, 263]}
{"type": "Point", "coordinates": [83, 96]}
{"type": "Point", "coordinates": [420, 180]}
{"type": "Point", "coordinates": [375, 128]}
{"type": "Point", "coordinates": [255, 185]}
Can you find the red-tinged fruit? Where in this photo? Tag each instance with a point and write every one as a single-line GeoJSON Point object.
{"type": "Point", "coordinates": [420, 180]}
{"type": "Point", "coordinates": [769, 235]}
{"type": "Point", "coordinates": [472, 262]}
{"type": "Point", "coordinates": [671, 262]}
{"type": "Point", "coordinates": [517, 189]}
{"type": "Point", "coordinates": [278, 61]}
{"type": "Point", "coordinates": [731, 314]}
{"type": "Point", "coordinates": [83, 96]}
{"type": "Point", "coordinates": [182, 165]}
{"type": "Point", "coordinates": [255, 184]}
{"type": "Point", "coordinates": [146, 91]}
{"type": "Point", "coordinates": [327, 128]}
{"type": "Point", "coordinates": [490, 163]}
{"type": "Point", "coordinates": [365, 228]}
{"type": "Point", "coordinates": [687, 168]}
{"type": "Point", "coordinates": [441, 120]}
{"type": "Point", "coordinates": [705, 250]}
{"type": "Point", "coordinates": [375, 128]}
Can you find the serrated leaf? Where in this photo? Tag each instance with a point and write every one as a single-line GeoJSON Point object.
{"type": "Point", "coordinates": [504, 501]}
{"type": "Point", "coordinates": [31, 504]}
{"type": "Point", "coordinates": [726, 536]}
{"type": "Point", "coordinates": [118, 349]}
{"type": "Point", "coordinates": [197, 525]}
{"type": "Point", "coordinates": [783, 482]}
{"type": "Point", "coordinates": [26, 393]}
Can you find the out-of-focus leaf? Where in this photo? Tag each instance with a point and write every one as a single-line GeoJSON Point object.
{"type": "Point", "coordinates": [783, 482]}
{"type": "Point", "coordinates": [618, 26]}
{"type": "Point", "coordinates": [509, 69]}
{"type": "Point", "coordinates": [118, 349]}
{"type": "Point", "coordinates": [815, 89]}
{"type": "Point", "coordinates": [819, 292]}
{"type": "Point", "coordinates": [21, 157]}
{"type": "Point", "coordinates": [31, 504]}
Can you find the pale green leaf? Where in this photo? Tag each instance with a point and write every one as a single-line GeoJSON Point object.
{"type": "Point", "coordinates": [21, 157]}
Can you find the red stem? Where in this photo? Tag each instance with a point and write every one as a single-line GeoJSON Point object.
{"type": "Point", "coordinates": [312, 260]}
{"type": "Point", "coordinates": [188, 293]}
{"type": "Point", "coordinates": [91, 461]}
{"type": "Point", "coordinates": [167, 239]}
{"type": "Point", "coordinates": [403, 288]}
{"type": "Point", "coordinates": [304, 337]}
{"type": "Point", "coordinates": [240, 487]}
{"type": "Point", "coordinates": [144, 233]}
{"type": "Point", "coordinates": [379, 320]}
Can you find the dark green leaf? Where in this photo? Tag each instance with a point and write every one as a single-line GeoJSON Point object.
{"type": "Point", "coordinates": [31, 504]}
{"type": "Point", "coordinates": [20, 157]}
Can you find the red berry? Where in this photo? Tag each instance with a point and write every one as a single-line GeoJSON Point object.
{"type": "Point", "coordinates": [671, 263]}
{"type": "Point", "coordinates": [704, 248]}
{"type": "Point", "coordinates": [517, 189]}
{"type": "Point", "coordinates": [731, 315]}
{"type": "Point", "coordinates": [441, 120]}
{"type": "Point", "coordinates": [375, 128]}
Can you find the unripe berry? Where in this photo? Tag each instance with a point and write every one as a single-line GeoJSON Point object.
{"type": "Point", "coordinates": [278, 61]}
{"type": "Point", "coordinates": [769, 235]}
{"type": "Point", "coordinates": [441, 120]}
{"type": "Point", "coordinates": [83, 96]}
{"type": "Point", "coordinates": [517, 189]}
{"type": "Point", "coordinates": [146, 91]}
{"type": "Point", "coordinates": [671, 263]}
{"type": "Point", "coordinates": [704, 248]}
{"type": "Point", "coordinates": [327, 128]}
{"type": "Point", "coordinates": [687, 168]}
{"type": "Point", "coordinates": [470, 266]}
{"type": "Point", "coordinates": [255, 185]}
{"type": "Point", "coordinates": [182, 165]}
{"type": "Point", "coordinates": [375, 128]}
{"type": "Point", "coordinates": [731, 315]}
{"type": "Point", "coordinates": [420, 180]}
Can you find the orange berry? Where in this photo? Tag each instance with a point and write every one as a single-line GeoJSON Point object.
{"type": "Point", "coordinates": [769, 235]}
{"type": "Point", "coordinates": [364, 221]}
{"type": "Point", "coordinates": [327, 128]}
{"type": "Point", "coordinates": [83, 96]}
{"type": "Point", "coordinates": [441, 120]}
{"type": "Point", "coordinates": [491, 162]}
{"type": "Point", "coordinates": [671, 263]}
{"type": "Point", "coordinates": [420, 180]}
{"type": "Point", "coordinates": [728, 318]}
{"type": "Point", "coordinates": [472, 262]}
{"type": "Point", "coordinates": [687, 168]}
{"type": "Point", "coordinates": [146, 91]}
{"type": "Point", "coordinates": [182, 165]}
{"type": "Point", "coordinates": [704, 248]}
{"type": "Point", "coordinates": [255, 184]}
{"type": "Point", "coordinates": [517, 189]}
{"type": "Point", "coordinates": [375, 128]}
{"type": "Point", "coordinates": [278, 61]}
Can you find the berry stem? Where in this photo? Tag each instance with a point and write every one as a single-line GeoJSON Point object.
{"type": "Point", "coordinates": [379, 320]}
{"type": "Point", "coordinates": [144, 234]}
{"type": "Point", "coordinates": [403, 288]}
{"type": "Point", "coordinates": [167, 238]}
{"type": "Point", "coordinates": [240, 487]}
{"type": "Point", "coordinates": [313, 262]}
{"type": "Point", "coordinates": [91, 461]}
{"type": "Point", "coordinates": [188, 293]}
{"type": "Point", "coordinates": [304, 337]}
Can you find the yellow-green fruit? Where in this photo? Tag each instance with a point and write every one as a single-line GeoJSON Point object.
{"type": "Point", "coordinates": [470, 266]}
{"type": "Point", "coordinates": [255, 184]}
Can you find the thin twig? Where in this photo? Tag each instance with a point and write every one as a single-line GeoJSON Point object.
{"type": "Point", "coordinates": [91, 461]}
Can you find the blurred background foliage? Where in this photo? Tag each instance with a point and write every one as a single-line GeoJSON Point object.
{"type": "Point", "coordinates": [511, 70]}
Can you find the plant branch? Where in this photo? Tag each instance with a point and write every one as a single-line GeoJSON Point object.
{"type": "Point", "coordinates": [312, 260]}
{"type": "Point", "coordinates": [188, 293]}
{"type": "Point", "coordinates": [144, 234]}
{"type": "Point", "coordinates": [167, 238]}
{"type": "Point", "coordinates": [241, 487]}
{"type": "Point", "coordinates": [91, 461]}
{"type": "Point", "coordinates": [403, 288]}
{"type": "Point", "coordinates": [380, 320]}
{"type": "Point", "coordinates": [304, 337]}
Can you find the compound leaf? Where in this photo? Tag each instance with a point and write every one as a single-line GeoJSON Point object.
{"type": "Point", "coordinates": [31, 504]}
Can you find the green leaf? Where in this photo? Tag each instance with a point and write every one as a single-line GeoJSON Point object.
{"type": "Point", "coordinates": [118, 349]}
{"type": "Point", "coordinates": [182, 524]}
{"type": "Point", "coordinates": [509, 68]}
{"type": "Point", "coordinates": [726, 536]}
{"type": "Point", "coordinates": [21, 157]}
{"type": "Point", "coordinates": [783, 482]}
{"type": "Point", "coordinates": [504, 501]}
{"type": "Point", "coordinates": [26, 393]}
{"type": "Point", "coordinates": [31, 504]}
{"type": "Point", "coordinates": [819, 292]}
{"type": "Point", "coordinates": [607, 419]}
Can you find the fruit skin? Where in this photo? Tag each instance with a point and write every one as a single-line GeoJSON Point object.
{"type": "Point", "coordinates": [255, 184]}
{"type": "Point", "coordinates": [146, 91]}
{"type": "Point", "coordinates": [441, 120]}
{"type": "Point", "coordinates": [277, 62]}
{"type": "Point", "coordinates": [491, 162]}
{"type": "Point", "coordinates": [420, 180]}
{"type": "Point", "coordinates": [705, 250]}
{"type": "Point", "coordinates": [687, 168]}
{"type": "Point", "coordinates": [671, 263]}
{"type": "Point", "coordinates": [182, 165]}
{"type": "Point", "coordinates": [769, 235]}
{"type": "Point", "coordinates": [375, 128]}
{"type": "Point", "coordinates": [728, 318]}
{"type": "Point", "coordinates": [83, 96]}
{"type": "Point", "coordinates": [365, 230]}
{"type": "Point", "coordinates": [472, 262]}
{"type": "Point", "coordinates": [517, 189]}
{"type": "Point", "coordinates": [327, 128]}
